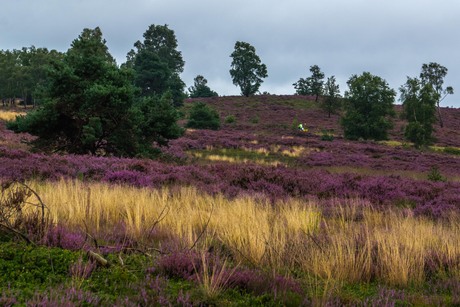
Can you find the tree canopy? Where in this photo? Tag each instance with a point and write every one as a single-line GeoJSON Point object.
{"type": "Point", "coordinates": [312, 85]}
{"type": "Point", "coordinates": [23, 73]}
{"type": "Point", "coordinates": [157, 63]}
{"type": "Point", "coordinates": [434, 74]}
{"type": "Point", "coordinates": [247, 70]}
{"type": "Point", "coordinates": [331, 102]}
{"type": "Point", "coordinates": [369, 104]}
{"type": "Point", "coordinates": [200, 88]}
{"type": "Point", "coordinates": [419, 103]}
{"type": "Point", "coordinates": [90, 106]}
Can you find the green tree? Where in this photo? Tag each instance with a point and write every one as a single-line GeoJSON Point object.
{"type": "Point", "coordinates": [247, 69]}
{"type": "Point", "coordinates": [34, 64]}
{"type": "Point", "coordinates": [8, 68]}
{"type": "Point", "coordinates": [23, 73]}
{"type": "Point", "coordinates": [419, 103]}
{"type": "Point", "coordinates": [434, 74]}
{"type": "Point", "coordinates": [200, 88]}
{"type": "Point", "coordinates": [331, 103]}
{"type": "Point", "coordinates": [203, 117]}
{"type": "Point", "coordinates": [151, 73]}
{"type": "Point", "coordinates": [157, 63]}
{"type": "Point", "coordinates": [156, 119]}
{"type": "Point", "coordinates": [368, 107]}
{"type": "Point", "coordinates": [90, 106]}
{"type": "Point", "coordinates": [312, 85]}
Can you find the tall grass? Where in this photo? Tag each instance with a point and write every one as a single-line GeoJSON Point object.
{"type": "Point", "coordinates": [350, 242]}
{"type": "Point", "coordinates": [9, 115]}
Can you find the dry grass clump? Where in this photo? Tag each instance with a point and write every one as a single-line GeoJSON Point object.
{"type": "Point", "coordinates": [9, 115]}
{"type": "Point", "coordinates": [352, 242]}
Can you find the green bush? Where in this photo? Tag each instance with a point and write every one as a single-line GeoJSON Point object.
{"type": "Point", "coordinates": [29, 267]}
{"type": "Point", "coordinates": [230, 119]}
{"type": "Point", "coordinates": [435, 175]}
{"type": "Point", "coordinates": [203, 117]}
{"type": "Point", "coordinates": [452, 151]}
{"type": "Point", "coordinates": [327, 135]}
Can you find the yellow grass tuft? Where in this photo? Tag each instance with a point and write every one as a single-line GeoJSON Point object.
{"type": "Point", "coordinates": [10, 115]}
{"type": "Point", "coordinates": [353, 243]}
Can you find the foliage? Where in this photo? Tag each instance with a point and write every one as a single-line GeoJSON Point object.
{"type": "Point", "coordinates": [157, 64]}
{"type": "Point", "coordinates": [331, 103]}
{"type": "Point", "coordinates": [247, 69]}
{"type": "Point", "coordinates": [203, 117]}
{"type": "Point", "coordinates": [312, 85]}
{"type": "Point", "coordinates": [156, 121]}
{"type": "Point", "coordinates": [28, 268]}
{"type": "Point", "coordinates": [327, 135]}
{"type": "Point", "coordinates": [89, 102]}
{"type": "Point", "coordinates": [91, 109]}
{"type": "Point", "coordinates": [23, 73]}
{"type": "Point", "coordinates": [452, 150]}
{"type": "Point", "coordinates": [368, 106]}
{"type": "Point", "coordinates": [230, 119]}
{"type": "Point", "coordinates": [200, 88]}
{"type": "Point", "coordinates": [151, 73]}
{"type": "Point", "coordinates": [435, 175]}
{"type": "Point", "coordinates": [434, 74]}
{"type": "Point", "coordinates": [419, 103]}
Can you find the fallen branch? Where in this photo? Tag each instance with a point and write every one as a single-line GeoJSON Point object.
{"type": "Point", "coordinates": [98, 258]}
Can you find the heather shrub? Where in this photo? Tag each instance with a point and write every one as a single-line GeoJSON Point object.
{"type": "Point", "coordinates": [135, 178]}
{"type": "Point", "coordinates": [258, 282]}
{"type": "Point", "coordinates": [179, 265]}
{"type": "Point", "coordinates": [387, 297]}
{"type": "Point", "coordinates": [152, 291]}
{"type": "Point", "coordinates": [62, 296]}
{"type": "Point", "coordinates": [203, 117]}
{"type": "Point", "coordinates": [62, 237]}
{"type": "Point", "coordinates": [80, 271]}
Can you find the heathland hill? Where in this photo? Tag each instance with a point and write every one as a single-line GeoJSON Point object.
{"type": "Point", "coordinates": [256, 213]}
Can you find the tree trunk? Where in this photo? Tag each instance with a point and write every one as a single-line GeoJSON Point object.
{"type": "Point", "coordinates": [440, 117]}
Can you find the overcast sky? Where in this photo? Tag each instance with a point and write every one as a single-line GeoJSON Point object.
{"type": "Point", "coordinates": [388, 38]}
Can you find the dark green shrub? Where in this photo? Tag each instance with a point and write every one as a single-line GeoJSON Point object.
{"type": "Point", "coordinates": [203, 117]}
{"type": "Point", "coordinates": [435, 175]}
{"type": "Point", "coordinates": [327, 135]}
{"type": "Point", "coordinates": [452, 151]}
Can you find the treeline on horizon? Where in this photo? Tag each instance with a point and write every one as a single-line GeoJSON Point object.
{"type": "Point", "coordinates": [89, 104]}
{"type": "Point", "coordinates": [23, 72]}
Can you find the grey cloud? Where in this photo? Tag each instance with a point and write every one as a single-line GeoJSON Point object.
{"type": "Point", "coordinates": [390, 38]}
